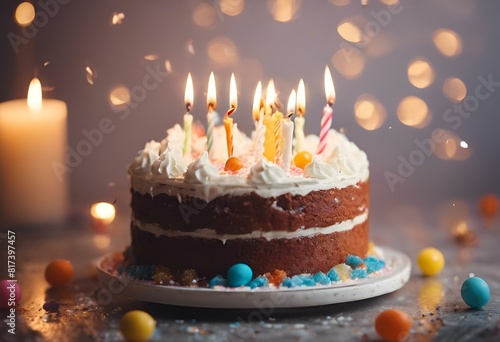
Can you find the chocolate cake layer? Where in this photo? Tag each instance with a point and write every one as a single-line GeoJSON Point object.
{"type": "Point", "coordinates": [210, 257]}
{"type": "Point", "coordinates": [251, 212]}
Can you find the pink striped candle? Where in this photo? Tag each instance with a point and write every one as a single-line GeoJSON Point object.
{"type": "Point", "coordinates": [327, 118]}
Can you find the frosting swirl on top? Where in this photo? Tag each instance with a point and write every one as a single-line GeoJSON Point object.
{"type": "Point", "coordinates": [201, 171]}
{"type": "Point", "coordinates": [321, 170]}
{"type": "Point", "coordinates": [339, 161]}
{"type": "Point", "coordinates": [265, 172]}
{"type": "Point", "coordinates": [145, 158]}
{"type": "Point", "coordinates": [169, 164]}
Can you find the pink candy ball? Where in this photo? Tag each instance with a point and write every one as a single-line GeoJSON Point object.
{"type": "Point", "coordinates": [10, 292]}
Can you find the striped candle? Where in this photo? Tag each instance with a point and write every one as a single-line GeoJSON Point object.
{"type": "Point", "coordinates": [327, 118]}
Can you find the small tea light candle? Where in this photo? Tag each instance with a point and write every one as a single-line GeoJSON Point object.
{"type": "Point", "coordinates": [32, 154]}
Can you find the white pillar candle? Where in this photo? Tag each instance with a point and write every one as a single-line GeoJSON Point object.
{"type": "Point", "coordinates": [32, 141]}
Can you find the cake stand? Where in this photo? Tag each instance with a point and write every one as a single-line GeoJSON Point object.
{"type": "Point", "coordinates": [395, 274]}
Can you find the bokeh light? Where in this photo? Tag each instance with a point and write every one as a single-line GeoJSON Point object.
{"type": "Point", "coordinates": [389, 2]}
{"type": "Point", "coordinates": [454, 89]}
{"type": "Point", "coordinates": [340, 3]}
{"type": "Point", "coordinates": [117, 18]}
{"type": "Point", "coordinates": [349, 31]}
{"type": "Point", "coordinates": [151, 57]}
{"type": "Point", "coordinates": [119, 96]}
{"type": "Point", "coordinates": [231, 7]}
{"type": "Point", "coordinates": [283, 10]}
{"type": "Point", "coordinates": [90, 75]}
{"type": "Point", "coordinates": [102, 241]}
{"type": "Point", "coordinates": [420, 73]}
{"type": "Point", "coordinates": [413, 111]}
{"type": "Point", "coordinates": [25, 14]}
{"type": "Point", "coordinates": [448, 42]}
{"type": "Point", "coordinates": [349, 63]}
{"type": "Point", "coordinates": [204, 15]}
{"type": "Point", "coordinates": [452, 147]}
{"type": "Point", "coordinates": [369, 112]}
{"type": "Point", "coordinates": [103, 211]}
{"type": "Point", "coordinates": [223, 50]}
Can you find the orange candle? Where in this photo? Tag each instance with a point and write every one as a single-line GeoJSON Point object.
{"type": "Point", "coordinates": [228, 122]}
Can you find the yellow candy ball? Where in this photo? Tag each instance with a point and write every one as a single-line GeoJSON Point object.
{"type": "Point", "coordinates": [302, 159]}
{"type": "Point", "coordinates": [233, 164]}
{"type": "Point", "coordinates": [137, 326]}
{"type": "Point", "coordinates": [431, 261]}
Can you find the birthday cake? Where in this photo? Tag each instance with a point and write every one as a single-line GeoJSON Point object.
{"type": "Point", "coordinates": [190, 212]}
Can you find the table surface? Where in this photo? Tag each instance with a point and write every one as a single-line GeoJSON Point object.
{"type": "Point", "coordinates": [434, 302]}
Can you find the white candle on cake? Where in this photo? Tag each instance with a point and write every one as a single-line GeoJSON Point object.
{"type": "Point", "coordinates": [33, 183]}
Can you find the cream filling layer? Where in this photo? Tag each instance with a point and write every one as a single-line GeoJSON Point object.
{"type": "Point", "coordinates": [206, 233]}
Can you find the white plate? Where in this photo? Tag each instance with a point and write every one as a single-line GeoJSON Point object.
{"type": "Point", "coordinates": [391, 278]}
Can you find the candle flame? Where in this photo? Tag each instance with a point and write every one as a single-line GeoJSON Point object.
{"type": "Point", "coordinates": [270, 94]}
{"type": "Point", "coordinates": [329, 88]}
{"type": "Point", "coordinates": [211, 93]}
{"type": "Point", "coordinates": [233, 96]}
{"type": "Point", "coordinates": [301, 98]}
{"type": "Point", "coordinates": [292, 100]}
{"type": "Point", "coordinates": [35, 95]}
{"type": "Point", "coordinates": [257, 98]}
{"type": "Point", "coordinates": [188, 94]}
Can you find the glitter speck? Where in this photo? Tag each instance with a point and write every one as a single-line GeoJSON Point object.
{"type": "Point", "coordinates": [464, 144]}
{"type": "Point", "coordinates": [117, 18]}
{"type": "Point", "coordinates": [90, 75]}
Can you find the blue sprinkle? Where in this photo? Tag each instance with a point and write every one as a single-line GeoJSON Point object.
{"type": "Point", "coordinates": [333, 275]}
{"type": "Point", "coordinates": [373, 264]}
{"type": "Point", "coordinates": [260, 281]}
{"type": "Point", "coordinates": [142, 272]}
{"type": "Point", "coordinates": [321, 278]}
{"type": "Point", "coordinates": [234, 324]}
{"type": "Point", "coordinates": [308, 282]}
{"type": "Point", "coordinates": [354, 261]}
{"type": "Point", "coordinates": [358, 273]}
{"type": "Point", "coordinates": [217, 281]}
{"type": "Point", "coordinates": [297, 281]}
{"type": "Point", "coordinates": [287, 282]}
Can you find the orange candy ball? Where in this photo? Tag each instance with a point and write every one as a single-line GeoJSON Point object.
{"type": "Point", "coordinates": [488, 205]}
{"type": "Point", "coordinates": [302, 159]}
{"type": "Point", "coordinates": [393, 325]}
{"type": "Point", "coordinates": [233, 164]}
{"type": "Point", "coordinates": [59, 273]}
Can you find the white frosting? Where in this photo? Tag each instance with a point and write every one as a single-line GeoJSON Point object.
{"type": "Point", "coordinates": [145, 158]}
{"type": "Point", "coordinates": [169, 164]}
{"type": "Point", "coordinates": [321, 170]}
{"type": "Point", "coordinates": [264, 172]}
{"type": "Point", "coordinates": [203, 179]}
{"type": "Point", "coordinates": [206, 233]}
{"type": "Point", "coordinates": [201, 171]}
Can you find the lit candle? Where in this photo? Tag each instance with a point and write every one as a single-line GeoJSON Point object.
{"type": "Point", "coordinates": [299, 120]}
{"type": "Point", "coordinates": [260, 129]}
{"type": "Point", "coordinates": [212, 104]}
{"type": "Point", "coordinates": [287, 127]}
{"type": "Point", "coordinates": [33, 159]}
{"type": "Point", "coordinates": [269, 123]}
{"type": "Point", "coordinates": [188, 118]}
{"type": "Point", "coordinates": [326, 119]}
{"type": "Point", "coordinates": [228, 121]}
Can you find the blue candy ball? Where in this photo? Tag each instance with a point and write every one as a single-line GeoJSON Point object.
{"type": "Point", "coordinates": [239, 275]}
{"type": "Point", "coordinates": [475, 292]}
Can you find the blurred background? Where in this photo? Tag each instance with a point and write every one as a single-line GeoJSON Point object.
{"type": "Point", "coordinates": [402, 69]}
